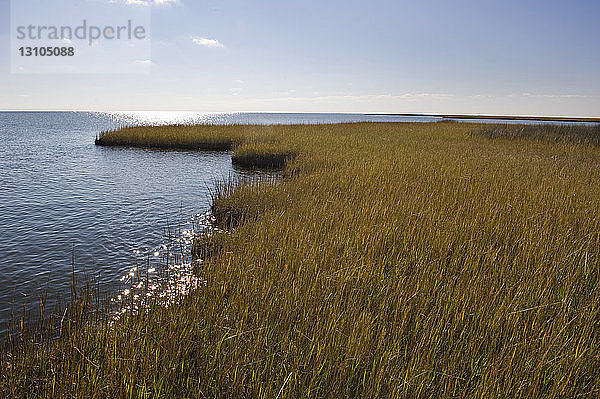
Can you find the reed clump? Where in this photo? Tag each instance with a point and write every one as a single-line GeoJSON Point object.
{"type": "Point", "coordinates": [235, 202]}
{"type": "Point", "coordinates": [209, 245]}
{"type": "Point", "coordinates": [251, 148]}
{"type": "Point", "coordinates": [393, 260]}
{"type": "Point", "coordinates": [186, 137]}
{"type": "Point", "coordinates": [262, 155]}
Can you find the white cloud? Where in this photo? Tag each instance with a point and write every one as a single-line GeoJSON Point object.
{"type": "Point", "coordinates": [239, 81]}
{"type": "Point", "coordinates": [143, 62]}
{"type": "Point", "coordinates": [206, 42]}
{"type": "Point", "coordinates": [554, 95]}
{"type": "Point", "coordinates": [147, 3]}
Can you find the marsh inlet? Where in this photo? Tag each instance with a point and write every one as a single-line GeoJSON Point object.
{"type": "Point", "coordinates": [109, 207]}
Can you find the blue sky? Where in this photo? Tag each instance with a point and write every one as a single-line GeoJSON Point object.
{"type": "Point", "coordinates": [430, 56]}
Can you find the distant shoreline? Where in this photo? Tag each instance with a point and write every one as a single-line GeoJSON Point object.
{"type": "Point", "coordinates": [442, 116]}
{"type": "Point", "coordinates": [506, 117]}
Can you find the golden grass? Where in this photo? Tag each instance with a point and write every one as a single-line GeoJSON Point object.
{"type": "Point", "coordinates": [393, 260]}
{"type": "Point", "coordinates": [253, 145]}
{"type": "Point", "coordinates": [174, 137]}
{"type": "Point", "coordinates": [555, 133]}
{"type": "Point", "coordinates": [262, 155]}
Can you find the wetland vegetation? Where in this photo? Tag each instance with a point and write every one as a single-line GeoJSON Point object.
{"type": "Point", "coordinates": [391, 260]}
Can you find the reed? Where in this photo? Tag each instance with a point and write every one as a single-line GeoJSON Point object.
{"type": "Point", "coordinates": [217, 138]}
{"type": "Point", "coordinates": [262, 155]}
{"type": "Point", "coordinates": [580, 134]}
{"type": "Point", "coordinates": [252, 147]}
{"type": "Point", "coordinates": [392, 260]}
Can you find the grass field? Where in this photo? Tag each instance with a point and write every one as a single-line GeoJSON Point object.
{"type": "Point", "coordinates": [392, 260]}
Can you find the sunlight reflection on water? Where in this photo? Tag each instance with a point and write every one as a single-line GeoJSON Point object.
{"type": "Point", "coordinates": [169, 270]}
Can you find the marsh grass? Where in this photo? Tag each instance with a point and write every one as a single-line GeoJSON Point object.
{"type": "Point", "coordinates": [554, 133]}
{"type": "Point", "coordinates": [262, 155]}
{"type": "Point", "coordinates": [393, 260]}
{"type": "Point", "coordinates": [222, 138]}
{"type": "Point", "coordinates": [253, 146]}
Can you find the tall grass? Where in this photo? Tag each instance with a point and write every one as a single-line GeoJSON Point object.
{"type": "Point", "coordinates": [393, 260]}
{"type": "Point", "coordinates": [253, 145]}
{"type": "Point", "coordinates": [579, 134]}
{"type": "Point", "coordinates": [222, 138]}
{"type": "Point", "coordinates": [262, 155]}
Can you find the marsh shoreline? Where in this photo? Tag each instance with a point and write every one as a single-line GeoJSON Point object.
{"type": "Point", "coordinates": [460, 259]}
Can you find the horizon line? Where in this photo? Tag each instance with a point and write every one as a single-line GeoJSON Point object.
{"type": "Point", "coordinates": [398, 114]}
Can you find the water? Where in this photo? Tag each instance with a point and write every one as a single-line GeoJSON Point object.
{"type": "Point", "coordinates": [60, 194]}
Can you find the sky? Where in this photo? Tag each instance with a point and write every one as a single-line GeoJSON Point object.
{"type": "Point", "coordinates": [504, 57]}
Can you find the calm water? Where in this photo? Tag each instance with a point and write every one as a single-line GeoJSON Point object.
{"type": "Point", "coordinates": [58, 191]}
